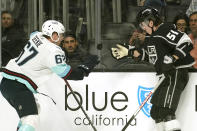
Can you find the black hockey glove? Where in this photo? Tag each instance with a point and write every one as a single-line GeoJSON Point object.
{"type": "Point", "coordinates": [89, 63]}
{"type": "Point", "coordinates": [122, 51]}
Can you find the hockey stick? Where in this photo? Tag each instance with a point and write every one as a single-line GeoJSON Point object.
{"type": "Point", "coordinates": [143, 103]}
{"type": "Point", "coordinates": [78, 102]}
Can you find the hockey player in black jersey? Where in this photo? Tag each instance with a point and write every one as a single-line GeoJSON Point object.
{"type": "Point", "coordinates": [168, 50]}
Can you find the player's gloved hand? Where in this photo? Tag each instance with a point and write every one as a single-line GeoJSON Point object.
{"type": "Point", "coordinates": [169, 59]}
{"type": "Point", "coordinates": [89, 63]}
{"type": "Point", "coordinates": [121, 51]}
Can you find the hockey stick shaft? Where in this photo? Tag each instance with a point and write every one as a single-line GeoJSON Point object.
{"type": "Point", "coordinates": [143, 103]}
{"type": "Point", "coordinates": [78, 102]}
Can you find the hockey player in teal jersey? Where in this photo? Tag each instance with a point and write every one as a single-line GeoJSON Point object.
{"type": "Point", "coordinates": [40, 58]}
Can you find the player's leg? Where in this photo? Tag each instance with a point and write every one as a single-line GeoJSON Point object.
{"type": "Point", "coordinates": [165, 100]}
{"type": "Point", "coordinates": [171, 123]}
{"type": "Point", "coordinates": [22, 99]}
{"type": "Point", "coordinates": [29, 123]}
{"type": "Point", "coordinates": [160, 125]}
{"type": "Point", "coordinates": [180, 82]}
{"type": "Point", "coordinates": [156, 113]}
{"type": "Point", "coordinates": [158, 116]}
{"type": "Point", "coordinates": [165, 119]}
{"type": "Point", "coordinates": [20, 122]}
{"type": "Point", "coordinates": [19, 125]}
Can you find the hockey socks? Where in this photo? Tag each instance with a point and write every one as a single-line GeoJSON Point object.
{"type": "Point", "coordinates": [28, 123]}
{"type": "Point", "coordinates": [160, 126]}
{"type": "Point", "coordinates": [19, 125]}
{"type": "Point", "coordinates": [26, 128]}
{"type": "Point", "coordinates": [172, 125]}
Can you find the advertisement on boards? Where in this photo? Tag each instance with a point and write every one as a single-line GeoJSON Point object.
{"type": "Point", "coordinates": [108, 98]}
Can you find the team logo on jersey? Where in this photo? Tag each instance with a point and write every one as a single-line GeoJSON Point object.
{"type": "Point", "coordinates": [142, 94]}
{"type": "Point", "coordinates": [152, 54]}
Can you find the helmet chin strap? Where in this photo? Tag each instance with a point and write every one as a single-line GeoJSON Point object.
{"type": "Point", "coordinates": [151, 27]}
{"type": "Point", "coordinates": [55, 40]}
{"type": "Point", "coordinates": [147, 22]}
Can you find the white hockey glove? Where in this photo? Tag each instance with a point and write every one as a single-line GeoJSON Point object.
{"type": "Point", "coordinates": [169, 59]}
{"type": "Point", "coordinates": [121, 51]}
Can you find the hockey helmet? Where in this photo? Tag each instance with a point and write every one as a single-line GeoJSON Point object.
{"type": "Point", "coordinates": [148, 14]}
{"type": "Point", "coordinates": [51, 26]}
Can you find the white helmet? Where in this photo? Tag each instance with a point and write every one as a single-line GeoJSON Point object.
{"type": "Point", "coordinates": [51, 26]}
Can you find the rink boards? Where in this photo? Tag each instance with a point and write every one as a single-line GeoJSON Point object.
{"type": "Point", "coordinates": [109, 98]}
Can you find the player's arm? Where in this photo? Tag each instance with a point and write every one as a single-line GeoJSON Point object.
{"type": "Point", "coordinates": [84, 68]}
{"type": "Point", "coordinates": [182, 48]}
{"type": "Point", "coordinates": [56, 62]}
{"type": "Point", "coordinates": [65, 72]}
{"type": "Point", "coordinates": [121, 51]}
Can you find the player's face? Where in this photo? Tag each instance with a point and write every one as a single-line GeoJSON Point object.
{"type": "Point", "coordinates": [57, 38]}
{"type": "Point", "coordinates": [6, 20]}
{"type": "Point", "coordinates": [70, 44]}
{"type": "Point", "coordinates": [146, 28]}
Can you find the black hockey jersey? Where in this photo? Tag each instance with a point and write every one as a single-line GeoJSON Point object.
{"type": "Point", "coordinates": [166, 40]}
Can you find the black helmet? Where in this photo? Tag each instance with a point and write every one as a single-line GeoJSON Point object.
{"type": "Point", "coordinates": [149, 13]}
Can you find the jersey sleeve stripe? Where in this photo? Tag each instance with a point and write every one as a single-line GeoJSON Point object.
{"type": "Point", "coordinates": [181, 51]}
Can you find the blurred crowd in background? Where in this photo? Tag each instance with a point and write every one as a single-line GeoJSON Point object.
{"type": "Point", "coordinates": [84, 34]}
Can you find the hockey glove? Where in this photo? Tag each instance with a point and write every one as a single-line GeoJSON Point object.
{"type": "Point", "coordinates": [122, 51]}
{"type": "Point", "coordinates": [169, 59]}
{"type": "Point", "coordinates": [89, 63]}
